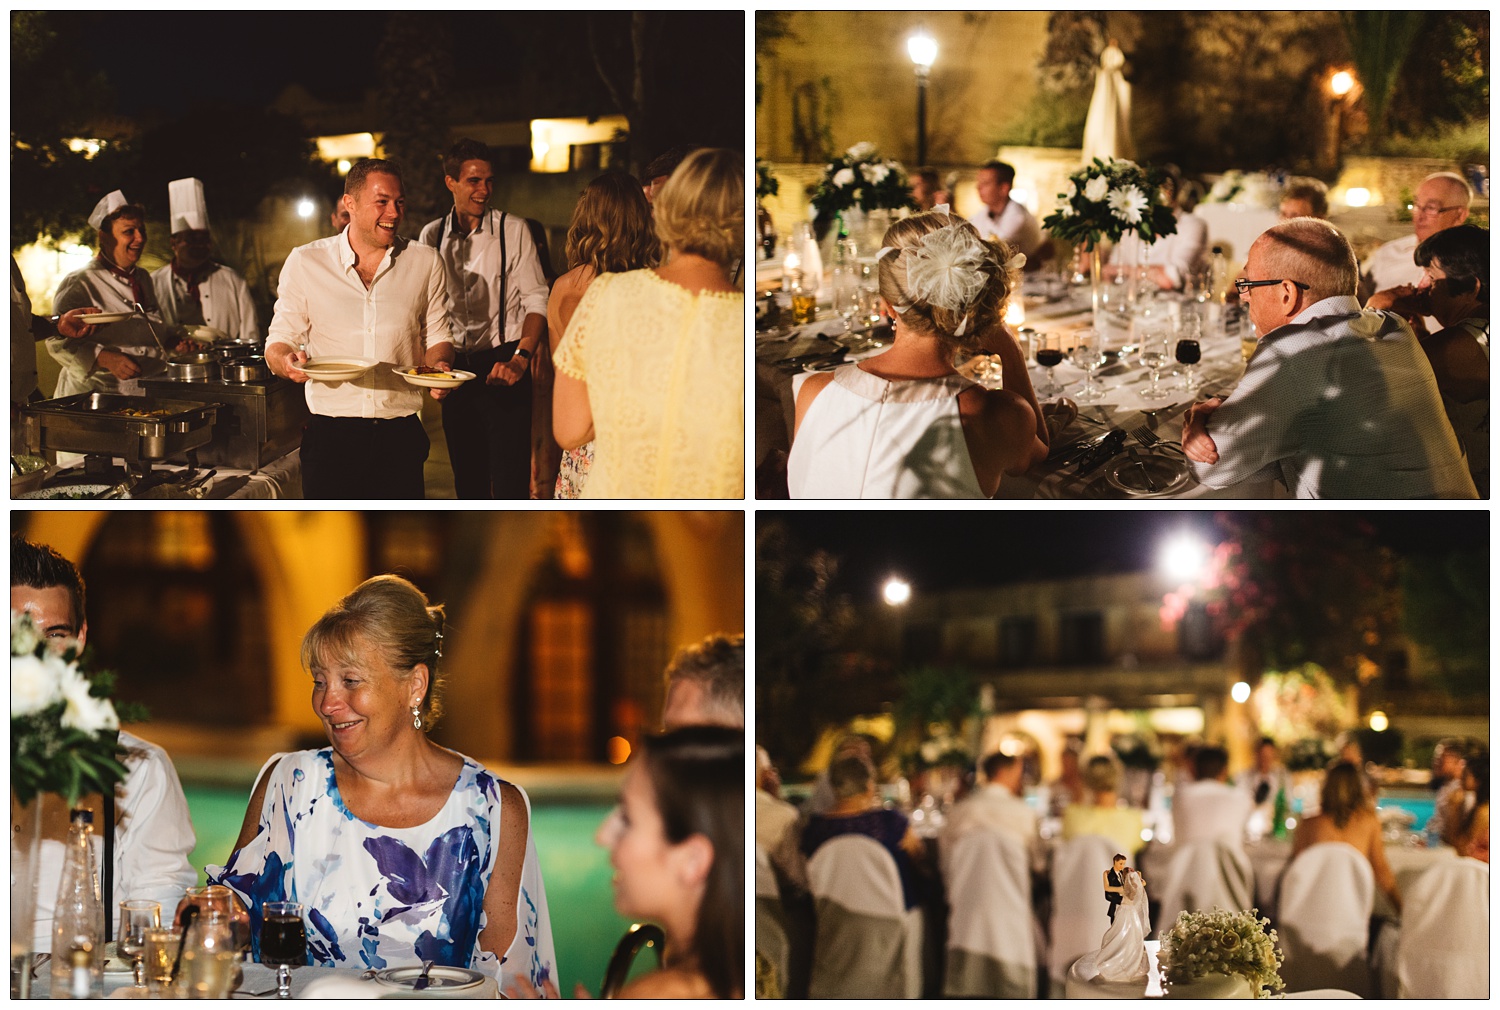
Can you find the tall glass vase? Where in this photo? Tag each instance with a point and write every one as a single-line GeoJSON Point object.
{"type": "Point", "coordinates": [1096, 281]}
{"type": "Point", "coordinates": [25, 864]}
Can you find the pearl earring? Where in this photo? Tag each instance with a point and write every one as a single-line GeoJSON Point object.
{"type": "Point", "coordinates": [416, 719]}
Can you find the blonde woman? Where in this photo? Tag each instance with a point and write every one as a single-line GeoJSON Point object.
{"type": "Point", "coordinates": [904, 423]}
{"type": "Point", "coordinates": [652, 367]}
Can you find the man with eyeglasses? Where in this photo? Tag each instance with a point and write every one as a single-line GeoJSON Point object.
{"type": "Point", "coordinates": [1442, 201]}
{"type": "Point", "coordinates": [1336, 402]}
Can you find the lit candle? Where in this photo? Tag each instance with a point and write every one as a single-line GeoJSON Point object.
{"type": "Point", "coordinates": [1015, 315]}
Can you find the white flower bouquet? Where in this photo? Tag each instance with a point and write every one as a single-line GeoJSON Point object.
{"type": "Point", "coordinates": [1222, 943]}
{"type": "Point", "coordinates": [1109, 200]}
{"type": "Point", "coordinates": [863, 179]}
{"type": "Point", "coordinates": [1250, 189]}
{"type": "Point", "coordinates": [64, 729]}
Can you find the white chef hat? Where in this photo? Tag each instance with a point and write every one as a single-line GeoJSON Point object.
{"type": "Point", "coordinates": [105, 207]}
{"type": "Point", "coordinates": [188, 209]}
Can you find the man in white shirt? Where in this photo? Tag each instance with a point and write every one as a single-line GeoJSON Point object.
{"type": "Point", "coordinates": [193, 290]}
{"type": "Point", "coordinates": [1442, 201]}
{"type": "Point", "coordinates": [366, 293]}
{"type": "Point", "coordinates": [1263, 783]}
{"type": "Point", "coordinates": [996, 806]}
{"type": "Point", "coordinates": [498, 297]}
{"type": "Point", "coordinates": [1002, 217]}
{"type": "Point", "coordinates": [1209, 809]}
{"type": "Point", "coordinates": [776, 823]}
{"type": "Point", "coordinates": [1335, 402]}
{"type": "Point", "coordinates": [153, 833]}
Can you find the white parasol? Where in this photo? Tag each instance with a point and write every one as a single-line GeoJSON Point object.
{"type": "Point", "coordinates": [1106, 132]}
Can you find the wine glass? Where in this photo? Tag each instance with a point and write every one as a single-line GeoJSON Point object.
{"type": "Point", "coordinates": [1189, 353]}
{"type": "Point", "coordinates": [136, 917]}
{"type": "Point", "coordinates": [1088, 354]}
{"type": "Point", "coordinates": [283, 942]}
{"type": "Point", "coordinates": [1155, 352]}
{"type": "Point", "coordinates": [1049, 355]}
{"type": "Point", "coordinates": [846, 293]}
{"type": "Point", "coordinates": [208, 956]}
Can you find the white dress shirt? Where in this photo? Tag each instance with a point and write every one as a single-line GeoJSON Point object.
{"type": "Point", "coordinates": [96, 285]}
{"type": "Point", "coordinates": [472, 265]}
{"type": "Point", "coordinates": [1015, 225]}
{"type": "Point", "coordinates": [993, 807]}
{"type": "Point", "coordinates": [323, 303]}
{"type": "Point", "coordinates": [1391, 264]}
{"type": "Point", "coordinates": [1337, 413]}
{"type": "Point", "coordinates": [1179, 254]}
{"type": "Point", "coordinates": [225, 296]}
{"type": "Point", "coordinates": [1210, 811]}
{"type": "Point", "coordinates": [153, 836]}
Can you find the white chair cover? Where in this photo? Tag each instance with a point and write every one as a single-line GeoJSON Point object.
{"type": "Point", "coordinates": [867, 944]}
{"type": "Point", "coordinates": [1327, 896]}
{"type": "Point", "coordinates": [1443, 950]}
{"type": "Point", "coordinates": [1197, 877]}
{"type": "Point", "coordinates": [770, 919]}
{"type": "Point", "coordinates": [1079, 913]}
{"type": "Point", "coordinates": [991, 941]}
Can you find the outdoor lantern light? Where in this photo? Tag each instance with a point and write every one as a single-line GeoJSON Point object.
{"type": "Point", "coordinates": [1240, 692]}
{"type": "Point", "coordinates": [1358, 196]}
{"type": "Point", "coordinates": [344, 165]}
{"type": "Point", "coordinates": [1378, 722]}
{"type": "Point", "coordinates": [923, 51]}
{"type": "Point", "coordinates": [897, 591]}
{"type": "Point", "coordinates": [1341, 83]}
{"type": "Point", "coordinates": [1183, 557]}
{"type": "Point", "coordinates": [305, 208]}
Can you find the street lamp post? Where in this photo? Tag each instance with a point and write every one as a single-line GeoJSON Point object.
{"type": "Point", "coordinates": [923, 51]}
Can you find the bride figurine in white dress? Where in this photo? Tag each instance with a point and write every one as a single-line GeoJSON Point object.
{"type": "Point", "coordinates": [1122, 956]}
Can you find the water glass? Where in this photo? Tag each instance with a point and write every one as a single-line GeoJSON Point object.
{"type": "Point", "coordinates": [208, 957]}
{"type": "Point", "coordinates": [846, 283]}
{"type": "Point", "coordinates": [1088, 354]}
{"type": "Point", "coordinates": [159, 956]}
{"type": "Point", "coordinates": [1155, 351]}
{"type": "Point", "coordinates": [136, 917]}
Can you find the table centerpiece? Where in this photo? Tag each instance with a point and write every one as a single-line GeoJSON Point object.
{"type": "Point", "coordinates": [861, 181]}
{"type": "Point", "coordinates": [1204, 944]}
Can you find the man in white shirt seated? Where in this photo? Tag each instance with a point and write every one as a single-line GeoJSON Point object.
{"type": "Point", "coordinates": [1208, 809]}
{"type": "Point", "coordinates": [996, 806]}
{"type": "Point", "coordinates": [192, 289]}
{"type": "Point", "coordinates": [1442, 201]}
{"type": "Point", "coordinates": [152, 831]}
{"type": "Point", "coordinates": [368, 293]}
{"type": "Point", "coordinates": [1171, 259]}
{"type": "Point", "coordinates": [1335, 402]}
{"type": "Point", "coordinates": [1002, 217]}
{"type": "Point", "coordinates": [497, 297]}
{"type": "Point", "coordinates": [777, 824]}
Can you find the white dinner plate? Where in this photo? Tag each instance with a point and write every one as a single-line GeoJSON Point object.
{"type": "Point", "coordinates": [1168, 475]}
{"type": "Point", "coordinates": [336, 369]}
{"type": "Point", "coordinates": [99, 318]}
{"type": "Point", "coordinates": [436, 380]}
{"type": "Point", "coordinates": [441, 979]}
{"type": "Point", "coordinates": [207, 334]}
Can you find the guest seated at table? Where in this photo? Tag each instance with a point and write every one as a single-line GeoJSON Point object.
{"type": "Point", "coordinates": [652, 367]}
{"type": "Point", "coordinates": [401, 850]}
{"type": "Point", "coordinates": [1069, 787]}
{"type": "Point", "coordinates": [1264, 782]}
{"type": "Point", "coordinates": [857, 811]}
{"type": "Point", "coordinates": [1304, 198]}
{"type": "Point", "coordinates": [1474, 837]}
{"type": "Point", "coordinates": [1448, 761]}
{"type": "Point", "coordinates": [1347, 814]}
{"type": "Point", "coordinates": [1336, 402]}
{"type": "Point", "coordinates": [1174, 258]}
{"type": "Point", "coordinates": [776, 824]}
{"type": "Point", "coordinates": [611, 232]}
{"type": "Point", "coordinates": [1442, 201]}
{"type": "Point", "coordinates": [1102, 813]}
{"type": "Point", "coordinates": [1456, 801]}
{"type": "Point", "coordinates": [823, 798]}
{"type": "Point", "coordinates": [998, 805]}
{"type": "Point", "coordinates": [904, 423]}
{"type": "Point", "coordinates": [1208, 809]}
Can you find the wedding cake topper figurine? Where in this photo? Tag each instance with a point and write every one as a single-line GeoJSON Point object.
{"type": "Point", "coordinates": [1122, 954]}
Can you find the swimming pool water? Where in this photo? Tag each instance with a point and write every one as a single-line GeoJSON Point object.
{"type": "Point", "coordinates": [585, 925]}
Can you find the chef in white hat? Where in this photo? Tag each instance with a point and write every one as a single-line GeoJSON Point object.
{"type": "Point", "coordinates": [193, 290]}
{"type": "Point", "coordinates": [120, 352]}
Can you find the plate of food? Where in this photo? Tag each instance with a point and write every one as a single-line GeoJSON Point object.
{"type": "Point", "coordinates": [434, 378]}
{"type": "Point", "coordinates": [441, 980]}
{"type": "Point", "coordinates": [336, 369]}
{"type": "Point", "coordinates": [100, 318]}
{"type": "Point", "coordinates": [207, 334]}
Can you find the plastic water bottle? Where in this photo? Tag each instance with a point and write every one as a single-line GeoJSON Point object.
{"type": "Point", "coordinates": [78, 923]}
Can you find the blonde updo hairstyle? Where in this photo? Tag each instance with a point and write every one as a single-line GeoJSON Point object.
{"type": "Point", "coordinates": [701, 208]}
{"type": "Point", "coordinates": [985, 311]}
{"type": "Point", "coordinates": [392, 616]}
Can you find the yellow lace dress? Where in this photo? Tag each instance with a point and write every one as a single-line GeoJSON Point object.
{"type": "Point", "coordinates": [665, 370]}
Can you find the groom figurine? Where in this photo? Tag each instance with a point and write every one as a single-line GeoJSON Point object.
{"type": "Point", "coordinates": [1114, 885]}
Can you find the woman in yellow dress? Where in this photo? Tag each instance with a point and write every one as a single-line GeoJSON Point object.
{"type": "Point", "coordinates": [652, 367]}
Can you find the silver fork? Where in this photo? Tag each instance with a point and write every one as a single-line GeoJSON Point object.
{"type": "Point", "coordinates": [1151, 439]}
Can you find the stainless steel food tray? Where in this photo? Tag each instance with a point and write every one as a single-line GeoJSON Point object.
{"type": "Point", "coordinates": [91, 423]}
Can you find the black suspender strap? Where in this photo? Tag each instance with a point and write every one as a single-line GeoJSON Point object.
{"type": "Point", "coordinates": [107, 892]}
{"type": "Point", "coordinates": [504, 270]}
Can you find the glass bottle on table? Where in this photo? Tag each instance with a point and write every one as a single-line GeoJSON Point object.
{"type": "Point", "coordinates": [78, 917]}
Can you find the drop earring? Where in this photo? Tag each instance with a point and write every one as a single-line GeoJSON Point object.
{"type": "Point", "coordinates": [416, 719]}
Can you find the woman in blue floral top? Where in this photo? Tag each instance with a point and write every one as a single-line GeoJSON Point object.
{"type": "Point", "coordinates": [402, 851]}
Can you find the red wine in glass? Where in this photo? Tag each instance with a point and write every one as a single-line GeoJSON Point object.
{"type": "Point", "coordinates": [1189, 354]}
{"type": "Point", "coordinates": [1049, 357]}
{"type": "Point", "coordinates": [283, 942]}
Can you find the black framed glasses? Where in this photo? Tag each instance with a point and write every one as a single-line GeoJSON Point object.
{"type": "Point", "coordinates": [1243, 286]}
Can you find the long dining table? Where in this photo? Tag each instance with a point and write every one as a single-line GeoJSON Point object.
{"type": "Point", "coordinates": [785, 355]}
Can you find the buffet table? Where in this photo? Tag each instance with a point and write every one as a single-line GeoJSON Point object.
{"type": "Point", "coordinates": [278, 479]}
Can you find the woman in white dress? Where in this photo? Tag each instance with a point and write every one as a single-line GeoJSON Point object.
{"type": "Point", "coordinates": [904, 423]}
{"type": "Point", "coordinates": [1122, 955]}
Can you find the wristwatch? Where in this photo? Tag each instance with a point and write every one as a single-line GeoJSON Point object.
{"type": "Point", "coordinates": [522, 352]}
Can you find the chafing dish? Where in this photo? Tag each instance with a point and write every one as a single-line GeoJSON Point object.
{"type": "Point", "coordinates": [134, 428]}
{"type": "Point", "coordinates": [259, 420]}
{"type": "Point", "coordinates": [246, 369]}
{"type": "Point", "coordinates": [200, 366]}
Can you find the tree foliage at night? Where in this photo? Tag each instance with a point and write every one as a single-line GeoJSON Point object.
{"type": "Point", "coordinates": [1447, 607]}
{"type": "Point", "coordinates": [414, 96]}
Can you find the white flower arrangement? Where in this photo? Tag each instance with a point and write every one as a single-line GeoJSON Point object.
{"type": "Point", "coordinates": [1108, 200]}
{"type": "Point", "coordinates": [1222, 943]}
{"type": "Point", "coordinates": [64, 729]}
{"type": "Point", "coordinates": [1249, 189]}
{"type": "Point", "coordinates": [863, 179]}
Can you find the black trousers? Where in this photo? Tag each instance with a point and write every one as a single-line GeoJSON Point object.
{"type": "Point", "coordinates": [488, 430]}
{"type": "Point", "coordinates": [363, 457]}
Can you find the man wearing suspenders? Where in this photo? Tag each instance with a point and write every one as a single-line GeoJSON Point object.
{"type": "Point", "coordinates": [498, 301]}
